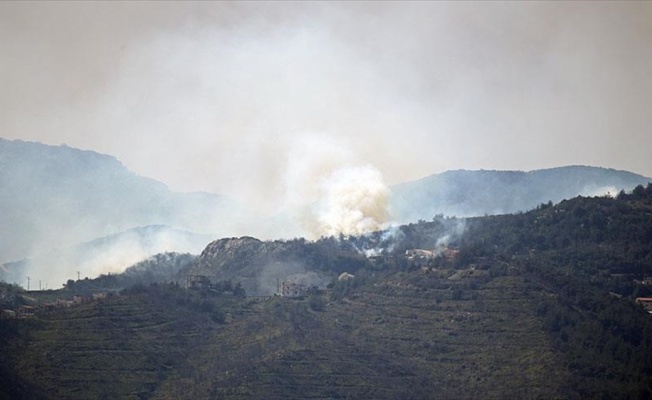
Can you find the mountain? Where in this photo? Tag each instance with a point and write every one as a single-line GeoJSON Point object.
{"type": "Point", "coordinates": [538, 304]}
{"type": "Point", "coordinates": [58, 196]}
{"type": "Point", "coordinates": [465, 193]}
{"type": "Point", "coordinates": [110, 254]}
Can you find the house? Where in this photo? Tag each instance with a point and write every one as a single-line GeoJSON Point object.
{"type": "Point", "coordinates": [419, 257]}
{"type": "Point", "coordinates": [414, 254]}
{"type": "Point", "coordinates": [646, 302]}
{"type": "Point", "coordinates": [48, 307]}
{"type": "Point", "coordinates": [451, 254]}
{"type": "Point", "coordinates": [8, 314]}
{"type": "Point", "coordinates": [99, 296]}
{"type": "Point", "coordinates": [293, 290]}
{"type": "Point", "coordinates": [26, 311]}
{"type": "Point", "coordinates": [65, 303]}
{"type": "Point", "coordinates": [345, 276]}
{"type": "Point", "coordinates": [197, 282]}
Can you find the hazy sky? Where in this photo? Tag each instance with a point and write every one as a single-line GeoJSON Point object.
{"type": "Point", "coordinates": [266, 100]}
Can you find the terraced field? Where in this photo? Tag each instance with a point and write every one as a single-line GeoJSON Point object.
{"type": "Point", "coordinates": [120, 348]}
{"type": "Point", "coordinates": [407, 335]}
{"type": "Point", "coordinates": [391, 340]}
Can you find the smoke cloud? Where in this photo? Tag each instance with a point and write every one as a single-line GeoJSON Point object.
{"type": "Point", "coordinates": [355, 202]}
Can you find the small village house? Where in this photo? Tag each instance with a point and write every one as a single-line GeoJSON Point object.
{"type": "Point", "coordinates": [26, 311]}
{"type": "Point", "coordinates": [293, 290]}
{"type": "Point", "coordinates": [646, 302]}
{"type": "Point", "coordinates": [197, 282]}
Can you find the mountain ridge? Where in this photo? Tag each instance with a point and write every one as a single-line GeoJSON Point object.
{"type": "Point", "coordinates": [58, 196]}
{"type": "Point", "coordinates": [465, 193]}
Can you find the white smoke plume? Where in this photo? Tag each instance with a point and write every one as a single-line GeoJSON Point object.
{"type": "Point", "coordinates": [355, 202]}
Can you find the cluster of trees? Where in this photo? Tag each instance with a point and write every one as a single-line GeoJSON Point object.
{"type": "Point", "coordinates": [160, 268]}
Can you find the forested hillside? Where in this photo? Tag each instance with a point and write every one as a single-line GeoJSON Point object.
{"type": "Point", "coordinates": [538, 304]}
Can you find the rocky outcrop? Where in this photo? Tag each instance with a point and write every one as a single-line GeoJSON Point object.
{"type": "Point", "coordinates": [259, 266]}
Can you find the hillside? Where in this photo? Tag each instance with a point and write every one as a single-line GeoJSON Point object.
{"type": "Point", "coordinates": [58, 196]}
{"type": "Point", "coordinates": [474, 193]}
{"type": "Point", "coordinates": [532, 305]}
{"type": "Point", "coordinates": [166, 342]}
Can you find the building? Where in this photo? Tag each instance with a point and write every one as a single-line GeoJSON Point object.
{"type": "Point", "coordinates": [65, 303]}
{"type": "Point", "coordinates": [26, 311]}
{"type": "Point", "coordinates": [197, 282]}
{"type": "Point", "coordinates": [646, 302]}
{"type": "Point", "coordinates": [293, 290]}
{"type": "Point", "coordinates": [413, 254]}
{"type": "Point", "coordinates": [419, 257]}
{"type": "Point", "coordinates": [48, 307]}
{"type": "Point", "coordinates": [451, 254]}
{"type": "Point", "coordinates": [99, 296]}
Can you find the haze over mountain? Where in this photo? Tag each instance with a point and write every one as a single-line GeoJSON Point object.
{"type": "Point", "coordinates": [57, 197]}
{"type": "Point", "coordinates": [56, 200]}
{"type": "Point", "coordinates": [472, 193]}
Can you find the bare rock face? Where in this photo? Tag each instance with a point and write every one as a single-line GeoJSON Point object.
{"type": "Point", "coordinates": [224, 257]}
{"type": "Point", "coordinates": [258, 266]}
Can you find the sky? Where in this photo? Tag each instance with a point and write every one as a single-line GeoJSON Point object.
{"type": "Point", "coordinates": [268, 102]}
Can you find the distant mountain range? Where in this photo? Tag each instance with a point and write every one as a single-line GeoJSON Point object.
{"type": "Point", "coordinates": [56, 197]}
{"type": "Point", "coordinates": [475, 193]}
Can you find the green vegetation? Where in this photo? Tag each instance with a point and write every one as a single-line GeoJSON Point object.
{"type": "Point", "coordinates": [531, 305]}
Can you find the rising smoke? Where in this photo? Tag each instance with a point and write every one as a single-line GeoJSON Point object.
{"type": "Point", "coordinates": [355, 202]}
